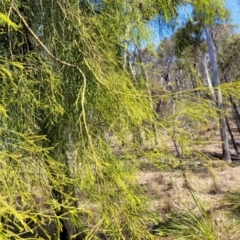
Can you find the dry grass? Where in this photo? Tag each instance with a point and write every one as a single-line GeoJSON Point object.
{"type": "Point", "coordinates": [169, 194]}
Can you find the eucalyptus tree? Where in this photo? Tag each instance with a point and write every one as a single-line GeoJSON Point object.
{"type": "Point", "coordinates": [190, 43]}
{"type": "Point", "coordinates": [219, 99]}
{"type": "Point", "coordinates": [228, 56]}
{"type": "Point", "coordinates": [216, 83]}
{"type": "Point", "coordinates": [63, 85]}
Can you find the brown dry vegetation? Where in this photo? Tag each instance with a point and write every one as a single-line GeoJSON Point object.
{"type": "Point", "coordinates": [169, 193]}
{"type": "Point", "coordinates": [195, 186]}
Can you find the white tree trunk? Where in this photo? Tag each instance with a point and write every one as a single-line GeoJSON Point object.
{"type": "Point", "coordinates": [209, 81]}
{"type": "Point", "coordinates": [216, 83]}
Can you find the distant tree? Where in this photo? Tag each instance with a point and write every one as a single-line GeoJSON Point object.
{"type": "Point", "coordinates": [228, 56]}
{"type": "Point", "coordinates": [189, 39]}
{"type": "Point", "coordinates": [216, 83]}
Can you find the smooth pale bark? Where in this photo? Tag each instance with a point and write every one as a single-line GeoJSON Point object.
{"type": "Point", "coordinates": [209, 81]}
{"type": "Point", "coordinates": [216, 83]}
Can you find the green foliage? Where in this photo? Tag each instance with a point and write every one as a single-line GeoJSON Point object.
{"type": "Point", "coordinates": [191, 35]}
{"type": "Point", "coordinates": [232, 200]}
{"type": "Point", "coordinates": [210, 10]}
{"type": "Point", "coordinates": [188, 226]}
{"type": "Point", "coordinates": [63, 87]}
{"type": "Point", "coordinates": [4, 19]}
{"type": "Point", "coordinates": [197, 223]}
{"type": "Point", "coordinates": [54, 106]}
{"type": "Point", "coordinates": [228, 55]}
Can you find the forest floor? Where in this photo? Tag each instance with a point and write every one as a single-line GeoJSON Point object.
{"type": "Point", "coordinates": [197, 188]}
{"type": "Point", "coordinates": [169, 196]}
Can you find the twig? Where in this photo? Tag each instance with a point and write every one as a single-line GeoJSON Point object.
{"type": "Point", "coordinates": [59, 61]}
{"type": "Point", "coordinates": [8, 30]}
{"type": "Point", "coordinates": [44, 47]}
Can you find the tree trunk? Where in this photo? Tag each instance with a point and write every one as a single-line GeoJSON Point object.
{"type": "Point", "coordinates": [216, 83]}
{"type": "Point", "coordinates": [232, 137]}
{"type": "Point", "coordinates": [209, 81]}
{"type": "Point", "coordinates": [236, 113]}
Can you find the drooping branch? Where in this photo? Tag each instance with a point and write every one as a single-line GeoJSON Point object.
{"type": "Point", "coordinates": [43, 45]}
{"type": "Point", "coordinates": [55, 58]}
